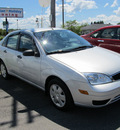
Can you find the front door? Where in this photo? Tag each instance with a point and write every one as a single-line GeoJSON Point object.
{"type": "Point", "coordinates": [29, 66]}
{"type": "Point", "coordinates": [108, 38]}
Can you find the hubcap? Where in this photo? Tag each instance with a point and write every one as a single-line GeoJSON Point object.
{"type": "Point", "coordinates": [57, 95]}
{"type": "Point", "coordinates": [3, 70]}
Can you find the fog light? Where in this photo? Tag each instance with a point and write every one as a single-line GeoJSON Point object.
{"type": "Point", "coordinates": [83, 92]}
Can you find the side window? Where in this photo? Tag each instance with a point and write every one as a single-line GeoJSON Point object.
{"type": "Point", "coordinates": [96, 34]}
{"type": "Point", "coordinates": [109, 33]}
{"type": "Point", "coordinates": [12, 42]}
{"type": "Point", "coordinates": [4, 42]}
{"type": "Point", "coordinates": [26, 43]}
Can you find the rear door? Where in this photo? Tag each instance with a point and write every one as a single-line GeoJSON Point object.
{"type": "Point", "coordinates": [10, 52]}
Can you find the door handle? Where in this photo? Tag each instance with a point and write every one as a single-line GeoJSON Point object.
{"type": "Point", "coordinates": [100, 40]}
{"type": "Point", "coordinates": [19, 56]}
{"type": "Point", "coordinates": [5, 51]}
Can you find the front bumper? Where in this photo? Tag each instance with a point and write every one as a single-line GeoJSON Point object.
{"type": "Point", "coordinates": [99, 95]}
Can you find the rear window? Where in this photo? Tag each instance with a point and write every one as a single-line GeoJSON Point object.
{"type": "Point", "coordinates": [12, 42]}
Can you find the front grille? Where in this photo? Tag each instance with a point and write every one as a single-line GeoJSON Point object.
{"type": "Point", "coordinates": [116, 76]}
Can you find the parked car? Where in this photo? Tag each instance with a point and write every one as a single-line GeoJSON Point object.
{"type": "Point", "coordinates": [64, 65]}
{"type": "Point", "coordinates": [106, 37]}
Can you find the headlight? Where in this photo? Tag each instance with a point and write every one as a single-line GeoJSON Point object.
{"type": "Point", "coordinates": [96, 78]}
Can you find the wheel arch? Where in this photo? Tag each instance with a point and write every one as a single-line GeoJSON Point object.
{"type": "Point", "coordinates": [1, 60]}
{"type": "Point", "coordinates": [51, 78]}
{"type": "Point", "coordinates": [48, 80]}
{"type": "Point", "coordinates": [69, 100]}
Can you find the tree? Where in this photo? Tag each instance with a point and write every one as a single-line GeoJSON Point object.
{"type": "Point", "coordinates": [118, 23]}
{"type": "Point", "coordinates": [99, 22]}
{"type": "Point", "coordinates": [74, 26]}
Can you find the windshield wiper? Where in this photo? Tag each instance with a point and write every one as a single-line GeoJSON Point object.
{"type": "Point", "coordinates": [59, 51]}
{"type": "Point", "coordinates": [55, 52]}
{"type": "Point", "coordinates": [70, 50]}
{"type": "Point", "coordinates": [81, 48]}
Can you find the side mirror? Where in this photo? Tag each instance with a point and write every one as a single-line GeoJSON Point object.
{"type": "Point", "coordinates": [28, 53]}
{"type": "Point", "coordinates": [36, 54]}
{"type": "Point", "coordinates": [31, 53]}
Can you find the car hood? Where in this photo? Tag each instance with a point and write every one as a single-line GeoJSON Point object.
{"type": "Point", "coordinates": [94, 59]}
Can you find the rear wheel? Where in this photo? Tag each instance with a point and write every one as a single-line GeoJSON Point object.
{"type": "Point", "coordinates": [60, 95]}
{"type": "Point", "coordinates": [4, 72]}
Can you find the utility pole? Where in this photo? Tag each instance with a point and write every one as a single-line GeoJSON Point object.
{"type": "Point", "coordinates": [63, 13]}
{"type": "Point", "coordinates": [6, 25]}
{"type": "Point", "coordinates": [53, 18]}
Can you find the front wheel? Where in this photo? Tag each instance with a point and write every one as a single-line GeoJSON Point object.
{"type": "Point", "coordinates": [4, 72]}
{"type": "Point", "coordinates": [60, 95]}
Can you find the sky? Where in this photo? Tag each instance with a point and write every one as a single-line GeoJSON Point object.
{"type": "Point", "coordinates": [83, 11]}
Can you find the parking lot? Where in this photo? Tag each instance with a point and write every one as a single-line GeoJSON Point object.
{"type": "Point", "coordinates": [23, 106]}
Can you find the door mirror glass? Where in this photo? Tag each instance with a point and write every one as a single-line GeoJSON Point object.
{"type": "Point", "coordinates": [31, 53]}
{"type": "Point", "coordinates": [28, 53]}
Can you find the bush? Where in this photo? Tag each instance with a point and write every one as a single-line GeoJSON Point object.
{"type": "Point", "coordinates": [1, 37]}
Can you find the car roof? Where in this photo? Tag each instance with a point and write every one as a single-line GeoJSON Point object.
{"type": "Point", "coordinates": [45, 29]}
{"type": "Point", "coordinates": [34, 30]}
{"type": "Point", "coordinates": [112, 26]}
{"type": "Point", "coordinates": [30, 31]}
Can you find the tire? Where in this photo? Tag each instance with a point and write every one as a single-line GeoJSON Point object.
{"type": "Point", "coordinates": [60, 95]}
{"type": "Point", "coordinates": [4, 72]}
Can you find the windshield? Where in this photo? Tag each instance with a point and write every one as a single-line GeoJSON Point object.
{"type": "Point", "coordinates": [57, 41]}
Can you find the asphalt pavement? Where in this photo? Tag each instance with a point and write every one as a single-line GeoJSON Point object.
{"type": "Point", "coordinates": [25, 107]}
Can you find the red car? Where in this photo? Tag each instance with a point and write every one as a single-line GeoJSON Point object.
{"type": "Point", "coordinates": [106, 37]}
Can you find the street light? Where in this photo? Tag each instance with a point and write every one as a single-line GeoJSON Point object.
{"type": "Point", "coordinates": [43, 4]}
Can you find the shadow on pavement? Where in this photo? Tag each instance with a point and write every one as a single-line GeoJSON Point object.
{"type": "Point", "coordinates": [32, 98]}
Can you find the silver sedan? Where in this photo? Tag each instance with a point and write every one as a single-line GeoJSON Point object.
{"type": "Point", "coordinates": [67, 67]}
